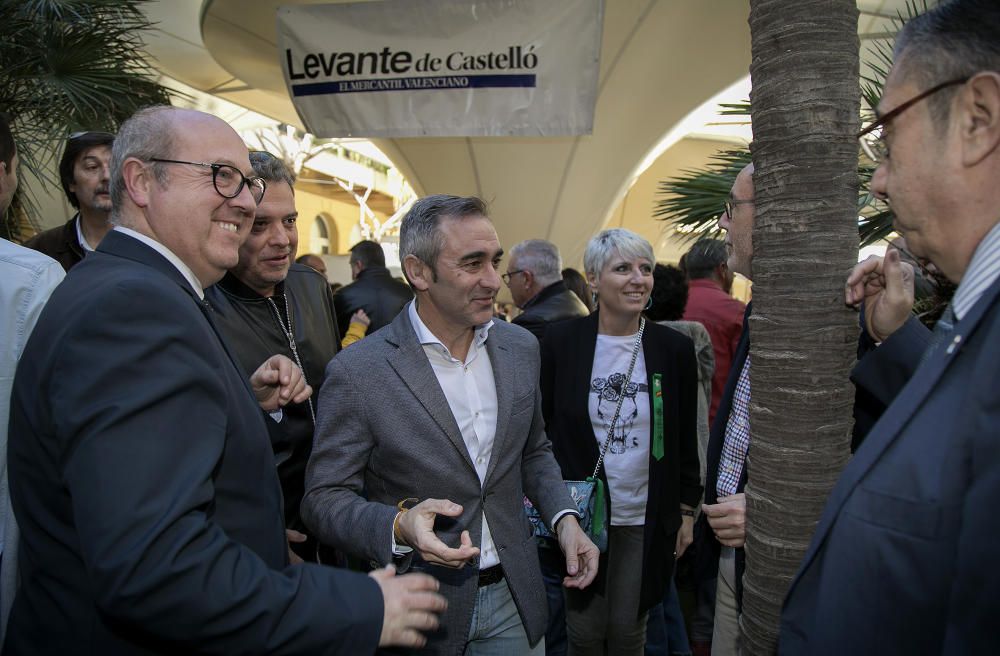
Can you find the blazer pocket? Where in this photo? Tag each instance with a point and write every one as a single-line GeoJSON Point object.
{"type": "Point", "coordinates": [916, 517]}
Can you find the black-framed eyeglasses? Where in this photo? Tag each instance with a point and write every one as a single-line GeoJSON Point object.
{"type": "Point", "coordinates": [730, 204]}
{"type": "Point", "coordinates": [228, 180]}
{"type": "Point", "coordinates": [510, 274]}
{"type": "Point", "coordinates": [872, 143]}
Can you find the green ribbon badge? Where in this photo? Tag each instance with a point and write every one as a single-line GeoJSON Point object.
{"type": "Point", "coordinates": [658, 416]}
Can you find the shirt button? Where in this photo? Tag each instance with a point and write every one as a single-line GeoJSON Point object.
{"type": "Point", "coordinates": [480, 460]}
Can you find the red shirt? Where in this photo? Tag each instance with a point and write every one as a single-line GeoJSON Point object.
{"type": "Point", "coordinates": [722, 316]}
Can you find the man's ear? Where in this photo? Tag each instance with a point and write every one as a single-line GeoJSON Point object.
{"type": "Point", "coordinates": [138, 181]}
{"type": "Point", "coordinates": [418, 273]}
{"type": "Point", "coordinates": [979, 107]}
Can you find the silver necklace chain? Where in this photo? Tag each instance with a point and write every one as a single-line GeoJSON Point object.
{"type": "Point", "coordinates": [290, 336]}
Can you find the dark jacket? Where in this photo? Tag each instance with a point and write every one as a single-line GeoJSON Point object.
{"type": "Point", "coordinates": [708, 548]}
{"type": "Point", "coordinates": [554, 303]}
{"type": "Point", "coordinates": [59, 243]}
{"type": "Point", "coordinates": [253, 334]}
{"type": "Point", "coordinates": [902, 556]}
{"type": "Point", "coordinates": [567, 361]}
{"type": "Point", "coordinates": [377, 293]}
{"type": "Point", "coordinates": [145, 488]}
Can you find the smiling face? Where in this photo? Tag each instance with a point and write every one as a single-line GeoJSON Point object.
{"type": "Point", "coordinates": [623, 286]}
{"type": "Point", "coordinates": [186, 214]}
{"type": "Point", "coordinates": [91, 175]}
{"type": "Point", "coordinates": [460, 291]}
{"type": "Point", "coordinates": [270, 248]}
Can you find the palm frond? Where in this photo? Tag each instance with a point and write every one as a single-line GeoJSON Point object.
{"type": "Point", "coordinates": [693, 201]}
{"type": "Point", "coordinates": [71, 65]}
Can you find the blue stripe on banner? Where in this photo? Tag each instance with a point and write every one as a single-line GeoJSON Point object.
{"type": "Point", "coordinates": [414, 84]}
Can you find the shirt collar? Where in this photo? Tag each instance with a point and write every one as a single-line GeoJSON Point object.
{"type": "Point", "coordinates": [236, 288]}
{"type": "Point", "coordinates": [983, 271]}
{"type": "Point", "coordinates": [167, 253]}
{"type": "Point", "coordinates": [79, 235]}
{"type": "Point", "coordinates": [425, 336]}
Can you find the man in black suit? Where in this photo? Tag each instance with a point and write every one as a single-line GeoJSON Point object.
{"type": "Point", "coordinates": [903, 557]}
{"type": "Point", "coordinates": [535, 281]}
{"type": "Point", "coordinates": [374, 290]}
{"type": "Point", "coordinates": [140, 468]}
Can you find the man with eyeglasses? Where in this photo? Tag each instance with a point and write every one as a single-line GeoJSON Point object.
{"type": "Point", "coordinates": [534, 278]}
{"type": "Point", "coordinates": [903, 559]}
{"type": "Point", "coordinates": [266, 304]}
{"type": "Point", "coordinates": [84, 172]}
{"type": "Point", "coordinates": [139, 462]}
{"type": "Point", "coordinates": [722, 524]}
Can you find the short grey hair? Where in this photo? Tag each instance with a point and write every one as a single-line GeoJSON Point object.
{"type": "Point", "coordinates": [702, 259]}
{"type": "Point", "coordinates": [271, 168]}
{"type": "Point", "coordinates": [419, 234]}
{"type": "Point", "coordinates": [541, 258]}
{"type": "Point", "coordinates": [608, 243]}
{"type": "Point", "coordinates": [951, 41]}
{"type": "Point", "coordinates": [147, 134]}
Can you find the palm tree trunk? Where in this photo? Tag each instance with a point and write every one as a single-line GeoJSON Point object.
{"type": "Point", "coordinates": [805, 108]}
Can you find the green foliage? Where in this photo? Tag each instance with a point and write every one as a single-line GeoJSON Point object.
{"type": "Point", "coordinates": [70, 65]}
{"type": "Point", "coordinates": [693, 201]}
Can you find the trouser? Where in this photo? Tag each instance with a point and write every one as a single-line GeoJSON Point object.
{"type": "Point", "coordinates": [610, 623]}
{"type": "Point", "coordinates": [726, 636]}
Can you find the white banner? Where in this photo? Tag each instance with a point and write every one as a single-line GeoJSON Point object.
{"type": "Point", "coordinates": [415, 68]}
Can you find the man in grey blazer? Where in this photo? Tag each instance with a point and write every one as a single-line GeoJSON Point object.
{"type": "Point", "coordinates": [429, 435]}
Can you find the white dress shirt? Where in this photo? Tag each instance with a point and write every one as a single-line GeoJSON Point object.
{"type": "Point", "coordinates": [84, 244]}
{"type": "Point", "coordinates": [471, 392]}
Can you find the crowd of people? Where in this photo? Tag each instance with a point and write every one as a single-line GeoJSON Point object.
{"type": "Point", "coordinates": [210, 450]}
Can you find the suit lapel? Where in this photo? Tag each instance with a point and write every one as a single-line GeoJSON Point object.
{"type": "Point", "coordinates": [585, 348]}
{"type": "Point", "coordinates": [890, 426]}
{"type": "Point", "coordinates": [501, 360]}
{"type": "Point", "coordinates": [122, 245]}
{"type": "Point", "coordinates": [410, 363]}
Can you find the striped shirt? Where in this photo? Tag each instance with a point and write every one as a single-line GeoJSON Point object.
{"type": "Point", "coordinates": [983, 271]}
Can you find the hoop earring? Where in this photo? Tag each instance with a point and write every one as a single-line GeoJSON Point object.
{"type": "Point", "coordinates": [649, 303]}
{"type": "Point", "coordinates": [593, 299]}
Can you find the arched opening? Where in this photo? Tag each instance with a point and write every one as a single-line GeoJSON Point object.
{"type": "Point", "coordinates": [319, 237]}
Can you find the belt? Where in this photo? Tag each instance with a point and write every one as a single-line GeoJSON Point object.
{"type": "Point", "coordinates": [490, 575]}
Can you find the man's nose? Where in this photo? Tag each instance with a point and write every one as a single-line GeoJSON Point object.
{"type": "Point", "coordinates": [878, 184]}
{"type": "Point", "coordinates": [244, 201]}
{"type": "Point", "coordinates": [491, 278]}
{"type": "Point", "coordinates": [724, 220]}
{"type": "Point", "coordinates": [278, 235]}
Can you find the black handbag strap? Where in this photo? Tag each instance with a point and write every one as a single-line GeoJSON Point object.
{"type": "Point", "coordinates": [621, 396]}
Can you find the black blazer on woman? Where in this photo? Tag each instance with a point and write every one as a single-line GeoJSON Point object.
{"type": "Point", "coordinates": [567, 361]}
